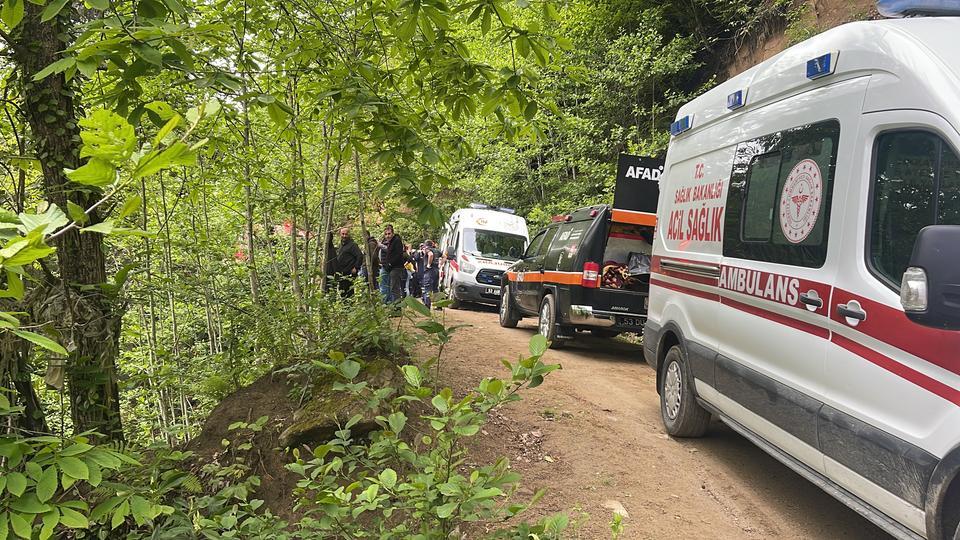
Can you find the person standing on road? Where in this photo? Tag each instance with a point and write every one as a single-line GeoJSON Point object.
{"type": "Point", "coordinates": [349, 261]}
{"type": "Point", "coordinates": [431, 272]}
{"type": "Point", "coordinates": [393, 263]}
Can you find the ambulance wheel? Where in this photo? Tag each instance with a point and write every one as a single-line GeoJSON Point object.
{"type": "Point", "coordinates": [508, 313]}
{"type": "Point", "coordinates": [455, 302]}
{"type": "Point", "coordinates": [682, 415]}
{"type": "Point", "coordinates": [601, 333]}
{"type": "Point", "coordinates": [547, 325]}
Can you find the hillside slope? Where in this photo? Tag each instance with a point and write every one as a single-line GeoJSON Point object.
{"type": "Point", "coordinates": [806, 19]}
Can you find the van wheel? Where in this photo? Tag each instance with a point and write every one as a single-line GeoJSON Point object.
{"type": "Point", "coordinates": [547, 325]}
{"type": "Point", "coordinates": [601, 333]}
{"type": "Point", "coordinates": [455, 302]}
{"type": "Point", "coordinates": [681, 414]}
{"type": "Point", "coordinates": [508, 314]}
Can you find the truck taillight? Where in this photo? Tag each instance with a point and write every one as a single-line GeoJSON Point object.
{"type": "Point", "coordinates": [591, 275]}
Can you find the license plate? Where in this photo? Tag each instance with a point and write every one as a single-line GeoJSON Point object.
{"type": "Point", "coordinates": [629, 321]}
{"type": "Point", "coordinates": [493, 290]}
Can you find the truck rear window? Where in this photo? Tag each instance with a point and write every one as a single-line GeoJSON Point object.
{"type": "Point", "coordinates": [626, 257]}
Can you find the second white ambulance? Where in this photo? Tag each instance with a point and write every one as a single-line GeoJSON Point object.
{"type": "Point", "coordinates": [806, 272]}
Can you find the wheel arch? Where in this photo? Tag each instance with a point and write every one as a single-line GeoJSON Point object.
{"type": "Point", "coordinates": [670, 335]}
{"type": "Point", "coordinates": [942, 504]}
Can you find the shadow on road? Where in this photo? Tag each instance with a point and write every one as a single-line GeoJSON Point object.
{"type": "Point", "coordinates": [780, 485]}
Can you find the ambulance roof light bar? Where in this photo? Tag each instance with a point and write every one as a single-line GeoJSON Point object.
{"type": "Point", "coordinates": [914, 8]}
{"type": "Point", "coordinates": [481, 206]}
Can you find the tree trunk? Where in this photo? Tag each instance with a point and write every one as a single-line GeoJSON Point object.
{"type": "Point", "coordinates": [91, 321]}
{"type": "Point", "coordinates": [367, 252]}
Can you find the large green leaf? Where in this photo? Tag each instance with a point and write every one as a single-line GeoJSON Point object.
{"type": "Point", "coordinates": [74, 468]}
{"type": "Point", "coordinates": [59, 66]}
{"type": "Point", "coordinates": [96, 172]}
{"type": "Point", "coordinates": [29, 504]}
{"type": "Point", "coordinates": [108, 136]}
{"type": "Point", "coordinates": [21, 526]}
{"type": "Point", "coordinates": [177, 153]}
{"type": "Point", "coordinates": [73, 519]}
{"type": "Point", "coordinates": [52, 10]}
{"type": "Point", "coordinates": [16, 483]}
{"type": "Point", "coordinates": [12, 13]}
{"type": "Point", "coordinates": [42, 341]}
{"type": "Point", "coordinates": [47, 485]}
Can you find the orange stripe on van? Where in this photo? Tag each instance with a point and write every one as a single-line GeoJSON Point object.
{"type": "Point", "coordinates": [563, 278]}
{"type": "Point", "coordinates": [560, 278]}
{"type": "Point", "coordinates": [634, 218]}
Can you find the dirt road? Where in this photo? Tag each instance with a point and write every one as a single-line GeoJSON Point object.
{"type": "Point", "coordinates": [591, 435]}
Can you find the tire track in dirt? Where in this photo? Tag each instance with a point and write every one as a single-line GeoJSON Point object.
{"type": "Point", "coordinates": [598, 422]}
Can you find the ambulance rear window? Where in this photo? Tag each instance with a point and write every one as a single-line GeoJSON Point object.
{"type": "Point", "coordinates": [778, 204]}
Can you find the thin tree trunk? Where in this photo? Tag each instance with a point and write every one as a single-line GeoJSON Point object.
{"type": "Point", "coordinates": [151, 323]}
{"type": "Point", "coordinates": [168, 263]}
{"type": "Point", "coordinates": [367, 253]}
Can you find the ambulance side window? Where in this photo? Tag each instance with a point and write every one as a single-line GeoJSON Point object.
{"type": "Point", "coordinates": [778, 204]}
{"type": "Point", "coordinates": [916, 183]}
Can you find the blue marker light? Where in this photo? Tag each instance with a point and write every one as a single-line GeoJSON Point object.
{"type": "Point", "coordinates": [680, 126]}
{"type": "Point", "coordinates": [735, 100]}
{"type": "Point", "coordinates": [820, 66]}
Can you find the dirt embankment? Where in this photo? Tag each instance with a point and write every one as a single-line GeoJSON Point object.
{"type": "Point", "coordinates": [591, 435]}
{"type": "Point", "coordinates": [807, 18]}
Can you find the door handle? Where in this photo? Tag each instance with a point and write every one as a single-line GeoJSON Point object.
{"type": "Point", "coordinates": [811, 299]}
{"type": "Point", "coordinates": [852, 311]}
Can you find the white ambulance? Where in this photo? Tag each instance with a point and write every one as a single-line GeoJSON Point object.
{"type": "Point", "coordinates": [806, 268]}
{"type": "Point", "coordinates": [478, 245]}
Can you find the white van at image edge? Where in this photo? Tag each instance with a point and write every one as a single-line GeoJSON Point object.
{"type": "Point", "coordinates": [479, 243]}
{"type": "Point", "coordinates": [791, 210]}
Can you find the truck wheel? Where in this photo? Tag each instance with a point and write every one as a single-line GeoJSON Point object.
{"type": "Point", "coordinates": [547, 325]}
{"type": "Point", "coordinates": [682, 415]}
{"type": "Point", "coordinates": [508, 314]}
{"type": "Point", "coordinates": [599, 332]}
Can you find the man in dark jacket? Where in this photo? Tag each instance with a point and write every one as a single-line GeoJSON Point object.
{"type": "Point", "coordinates": [393, 263]}
{"type": "Point", "coordinates": [349, 261]}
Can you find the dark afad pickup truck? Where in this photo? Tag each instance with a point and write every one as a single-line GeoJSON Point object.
{"type": "Point", "coordinates": [588, 270]}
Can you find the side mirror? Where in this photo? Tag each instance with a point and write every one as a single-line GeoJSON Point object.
{"type": "Point", "coordinates": [930, 291]}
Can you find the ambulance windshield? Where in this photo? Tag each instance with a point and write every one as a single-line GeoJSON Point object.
{"type": "Point", "coordinates": [493, 244]}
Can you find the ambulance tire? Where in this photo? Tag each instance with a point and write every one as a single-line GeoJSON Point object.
{"type": "Point", "coordinates": [455, 302]}
{"type": "Point", "coordinates": [547, 323]}
{"type": "Point", "coordinates": [601, 333]}
{"type": "Point", "coordinates": [682, 415]}
{"type": "Point", "coordinates": [508, 313]}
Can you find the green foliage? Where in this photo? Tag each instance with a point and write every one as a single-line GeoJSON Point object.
{"type": "Point", "coordinates": [42, 478]}
{"type": "Point", "coordinates": [416, 483]}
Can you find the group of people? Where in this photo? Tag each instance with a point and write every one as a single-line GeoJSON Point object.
{"type": "Point", "coordinates": [397, 268]}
